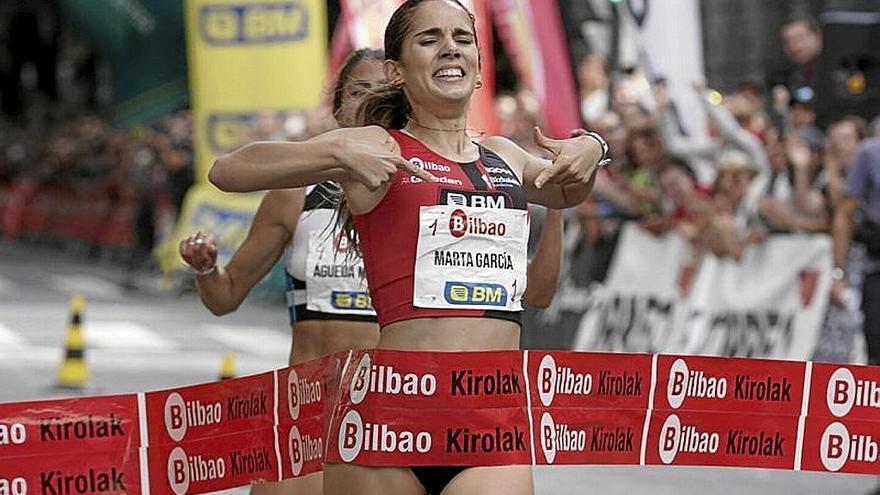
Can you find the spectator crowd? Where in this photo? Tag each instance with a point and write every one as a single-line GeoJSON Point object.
{"type": "Point", "coordinates": [89, 187]}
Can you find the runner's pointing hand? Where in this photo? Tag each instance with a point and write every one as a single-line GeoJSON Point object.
{"type": "Point", "coordinates": [372, 157]}
{"type": "Point", "coordinates": [575, 159]}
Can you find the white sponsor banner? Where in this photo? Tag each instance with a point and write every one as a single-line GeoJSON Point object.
{"type": "Point", "coordinates": [639, 305]}
{"type": "Point", "coordinates": [665, 38]}
{"type": "Point", "coordinates": [659, 299]}
{"type": "Point", "coordinates": [672, 39]}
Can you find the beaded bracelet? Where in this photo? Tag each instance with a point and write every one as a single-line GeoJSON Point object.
{"type": "Point", "coordinates": [199, 273]}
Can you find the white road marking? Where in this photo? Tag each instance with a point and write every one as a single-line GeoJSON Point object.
{"type": "Point", "coordinates": [87, 285]}
{"type": "Point", "coordinates": [9, 338]}
{"type": "Point", "coordinates": [206, 364]}
{"type": "Point", "coordinates": [123, 335]}
{"type": "Point", "coordinates": [257, 340]}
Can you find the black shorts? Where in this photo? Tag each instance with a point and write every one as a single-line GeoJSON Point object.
{"type": "Point", "coordinates": [435, 478]}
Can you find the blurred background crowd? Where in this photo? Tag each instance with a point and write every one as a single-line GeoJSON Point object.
{"type": "Point", "coordinates": [788, 97]}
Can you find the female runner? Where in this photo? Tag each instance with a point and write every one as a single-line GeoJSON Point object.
{"type": "Point", "coordinates": [398, 175]}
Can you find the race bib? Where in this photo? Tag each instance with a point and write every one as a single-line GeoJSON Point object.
{"type": "Point", "coordinates": [335, 279]}
{"type": "Point", "coordinates": [471, 258]}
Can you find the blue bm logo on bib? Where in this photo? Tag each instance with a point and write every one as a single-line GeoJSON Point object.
{"type": "Point", "coordinates": [351, 300]}
{"type": "Point", "coordinates": [466, 293]}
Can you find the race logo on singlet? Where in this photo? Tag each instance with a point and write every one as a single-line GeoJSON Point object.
{"type": "Point", "coordinates": [473, 258]}
{"type": "Point", "coordinates": [476, 199]}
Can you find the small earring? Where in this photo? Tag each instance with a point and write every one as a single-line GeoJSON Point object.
{"type": "Point", "coordinates": [479, 84]}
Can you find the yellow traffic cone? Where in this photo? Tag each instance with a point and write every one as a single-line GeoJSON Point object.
{"type": "Point", "coordinates": [227, 367]}
{"type": "Point", "coordinates": [73, 372]}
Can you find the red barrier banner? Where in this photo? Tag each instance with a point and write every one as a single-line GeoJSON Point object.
{"type": "Point", "coordinates": [66, 472]}
{"type": "Point", "coordinates": [304, 391]}
{"type": "Point", "coordinates": [851, 392]}
{"type": "Point", "coordinates": [701, 383]}
{"type": "Point", "coordinates": [213, 463]}
{"type": "Point", "coordinates": [210, 410]}
{"type": "Point", "coordinates": [431, 380]}
{"type": "Point", "coordinates": [690, 438]}
{"type": "Point", "coordinates": [395, 408]}
{"type": "Point", "coordinates": [404, 436]}
{"type": "Point", "coordinates": [568, 435]}
{"type": "Point", "coordinates": [844, 446]}
{"type": "Point", "coordinates": [302, 446]}
{"type": "Point", "coordinates": [589, 380]}
{"type": "Point", "coordinates": [84, 425]}
{"type": "Point", "coordinates": [307, 393]}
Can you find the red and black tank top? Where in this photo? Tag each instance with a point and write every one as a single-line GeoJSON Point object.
{"type": "Point", "coordinates": [389, 233]}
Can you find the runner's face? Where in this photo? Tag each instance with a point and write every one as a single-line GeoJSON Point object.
{"type": "Point", "coordinates": [439, 61]}
{"type": "Point", "coordinates": [363, 76]}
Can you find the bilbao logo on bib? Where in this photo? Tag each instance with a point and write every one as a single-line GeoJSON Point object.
{"type": "Point", "coordinates": [460, 224]}
{"type": "Point", "coordinates": [341, 243]}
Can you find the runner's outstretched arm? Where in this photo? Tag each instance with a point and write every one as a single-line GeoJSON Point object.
{"type": "Point", "coordinates": [565, 180]}
{"type": "Point", "coordinates": [222, 289]}
{"type": "Point", "coordinates": [368, 155]}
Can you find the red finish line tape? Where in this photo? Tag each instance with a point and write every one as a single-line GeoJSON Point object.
{"type": "Point", "coordinates": [393, 408]}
